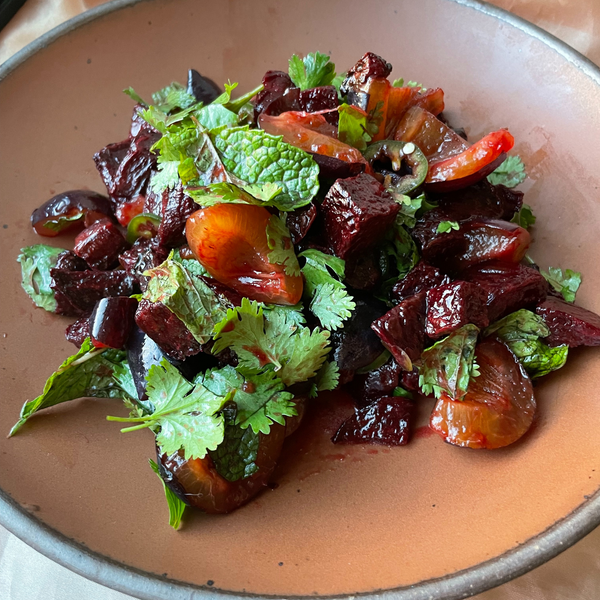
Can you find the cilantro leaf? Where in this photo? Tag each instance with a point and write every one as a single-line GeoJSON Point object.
{"type": "Point", "coordinates": [88, 374]}
{"type": "Point", "coordinates": [521, 332]}
{"type": "Point", "coordinates": [295, 352]}
{"type": "Point", "coordinates": [257, 158]}
{"type": "Point", "coordinates": [176, 506]}
{"type": "Point", "coordinates": [566, 282]}
{"type": "Point", "coordinates": [237, 104]}
{"type": "Point", "coordinates": [447, 227]}
{"type": "Point", "coordinates": [354, 127]}
{"type": "Point", "coordinates": [134, 96]}
{"type": "Point", "coordinates": [525, 217]}
{"type": "Point", "coordinates": [328, 377]}
{"type": "Point", "coordinates": [510, 173]}
{"type": "Point", "coordinates": [314, 70]}
{"type": "Point", "coordinates": [400, 83]}
{"type": "Point", "coordinates": [185, 295]}
{"type": "Point", "coordinates": [448, 365]}
{"type": "Point", "coordinates": [166, 177]}
{"type": "Point", "coordinates": [329, 300]}
{"type": "Point", "coordinates": [411, 209]}
{"type": "Point", "coordinates": [36, 262]}
{"type": "Point", "coordinates": [280, 243]}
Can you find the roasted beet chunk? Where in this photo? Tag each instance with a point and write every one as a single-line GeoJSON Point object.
{"type": "Point", "coordinates": [202, 88]}
{"type": "Point", "coordinates": [112, 321]}
{"type": "Point", "coordinates": [176, 208]}
{"type": "Point", "coordinates": [388, 421]}
{"type": "Point", "coordinates": [321, 98]}
{"type": "Point", "coordinates": [509, 287]}
{"type": "Point", "coordinates": [355, 345]}
{"type": "Point", "coordinates": [363, 272]}
{"type": "Point", "coordinates": [453, 305]}
{"type": "Point", "coordinates": [100, 245]}
{"type": "Point", "coordinates": [69, 261]}
{"type": "Point", "coordinates": [166, 329]}
{"type": "Point", "coordinates": [376, 383]}
{"type": "Point", "coordinates": [78, 331]}
{"type": "Point", "coordinates": [331, 168]}
{"type": "Point", "coordinates": [275, 84]}
{"type": "Point", "coordinates": [70, 209]}
{"type": "Point", "coordinates": [357, 212]}
{"type": "Point", "coordinates": [143, 255]}
{"type": "Point", "coordinates": [569, 324]}
{"type": "Point", "coordinates": [402, 330]}
{"type": "Point", "coordinates": [369, 66]}
{"type": "Point", "coordinates": [300, 221]}
{"type": "Point", "coordinates": [138, 123]}
{"type": "Point", "coordinates": [77, 292]}
{"type": "Point", "coordinates": [227, 297]}
{"type": "Point", "coordinates": [422, 278]}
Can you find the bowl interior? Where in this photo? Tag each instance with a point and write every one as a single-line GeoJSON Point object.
{"type": "Point", "coordinates": [342, 520]}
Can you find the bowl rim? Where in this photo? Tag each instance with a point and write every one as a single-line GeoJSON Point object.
{"type": "Point", "coordinates": [149, 586]}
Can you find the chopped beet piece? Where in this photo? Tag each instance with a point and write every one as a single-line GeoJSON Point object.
{"type": "Point", "coordinates": [138, 123]}
{"type": "Point", "coordinates": [509, 287]}
{"type": "Point", "coordinates": [100, 245]}
{"type": "Point", "coordinates": [356, 345]}
{"type": "Point", "coordinates": [226, 295]}
{"type": "Point", "coordinates": [375, 384]}
{"type": "Point", "coordinates": [288, 101]}
{"type": "Point", "coordinates": [143, 255]}
{"type": "Point", "coordinates": [299, 222]}
{"type": "Point", "coordinates": [108, 160]}
{"type": "Point", "coordinates": [331, 168]}
{"type": "Point", "coordinates": [77, 292]}
{"type": "Point", "coordinates": [69, 261]}
{"type": "Point", "coordinates": [112, 321]}
{"type": "Point", "coordinates": [368, 67]}
{"type": "Point", "coordinates": [201, 87]}
{"type": "Point", "coordinates": [422, 278]}
{"type": "Point", "coordinates": [410, 380]}
{"type": "Point", "coordinates": [569, 324]}
{"type": "Point", "coordinates": [166, 329]}
{"type": "Point", "coordinates": [321, 98]}
{"type": "Point", "coordinates": [357, 212]}
{"type": "Point", "coordinates": [453, 305]}
{"type": "Point", "coordinates": [402, 330]}
{"type": "Point", "coordinates": [275, 84]}
{"type": "Point", "coordinates": [363, 272]}
{"type": "Point", "coordinates": [70, 209]}
{"type": "Point", "coordinates": [388, 421]}
{"type": "Point", "coordinates": [77, 332]}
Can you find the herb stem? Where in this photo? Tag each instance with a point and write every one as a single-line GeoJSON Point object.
{"type": "Point", "coordinates": [135, 428]}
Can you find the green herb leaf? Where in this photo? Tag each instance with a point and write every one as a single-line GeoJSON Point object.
{"type": "Point", "coordinates": [36, 262]}
{"type": "Point", "coordinates": [400, 83]}
{"type": "Point", "coordinates": [134, 96]}
{"type": "Point", "coordinates": [449, 364]}
{"type": "Point", "coordinates": [354, 126]}
{"type": "Point", "coordinates": [510, 173]}
{"type": "Point", "coordinates": [186, 296]}
{"type": "Point", "coordinates": [412, 209]}
{"type": "Point", "coordinates": [525, 217]}
{"type": "Point", "coordinates": [171, 97]}
{"type": "Point", "coordinates": [447, 227]}
{"type": "Point", "coordinates": [89, 373]}
{"type": "Point", "coordinates": [566, 282]}
{"type": "Point", "coordinates": [314, 70]}
{"type": "Point", "coordinates": [400, 391]}
{"type": "Point", "coordinates": [521, 332]}
{"type": "Point", "coordinates": [280, 243]}
{"type": "Point", "coordinates": [257, 158]}
{"type": "Point", "coordinates": [225, 192]}
{"type": "Point", "coordinates": [176, 506]}
{"type": "Point", "coordinates": [216, 115]}
{"type": "Point", "coordinates": [328, 377]}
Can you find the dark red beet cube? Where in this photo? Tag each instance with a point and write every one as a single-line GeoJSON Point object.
{"type": "Point", "coordinates": [299, 221]}
{"type": "Point", "coordinates": [453, 305]}
{"type": "Point", "coordinates": [100, 245]}
{"type": "Point", "coordinates": [509, 287]}
{"type": "Point", "coordinates": [77, 292]}
{"type": "Point", "coordinates": [112, 321]}
{"type": "Point", "coordinates": [569, 324]}
{"type": "Point", "coordinates": [275, 85]}
{"type": "Point", "coordinates": [369, 66]}
{"type": "Point", "coordinates": [357, 212]}
{"type": "Point", "coordinates": [320, 99]}
{"type": "Point", "coordinates": [70, 262]}
{"type": "Point", "coordinates": [176, 208]}
{"type": "Point", "coordinates": [375, 384]}
{"type": "Point", "coordinates": [331, 168]}
{"type": "Point", "coordinates": [388, 421]}
{"type": "Point", "coordinates": [77, 332]}
{"type": "Point", "coordinates": [422, 278]}
{"type": "Point", "coordinates": [410, 380]}
{"type": "Point", "coordinates": [402, 330]}
{"type": "Point", "coordinates": [166, 329]}
{"type": "Point", "coordinates": [143, 255]}
{"type": "Point", "coordinates": [363, 272]}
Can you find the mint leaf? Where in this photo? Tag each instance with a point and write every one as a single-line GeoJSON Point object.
{"type": "Point", "coordinates": [510, 173]}
{"type": "Point", "coordinates": [525, 217]}
{"type": "Point", "coordinates": [295, 352]}
{"type": "Point", "coordinates": [225, 192]}
{"type": "Point", "coordinates": [185, 295]}
{"type": "Point", "coordinates": [171, 97]}
{"type": "Point", "coordinates": [448, 365]}
{"type": "Point", "coordinates": [176, 506]}
{"type": "Point", "coordinates": [36, 262]}
{"type": "Point", "coordinates": [88, 374]}
{"type": "Point", "coordinates": [447, 227]}
{"type": "Point", "coordinates": [566, 282]}
{"type": "Point", "coordinates": [216, 115]}
{"type": "Point", "coordinates": [314, 70]}
{"type": "Point", "coordinates": [280, 243]}
{"type": "Point", "coordinates": [257, 158]}
{"type": "Point", "coordinates": [521, 332]}
{"type": "Point", "coordinates": [354, 127]}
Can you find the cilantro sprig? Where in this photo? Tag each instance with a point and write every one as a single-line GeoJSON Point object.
{"type": "Point", "coordinates": [510, 173]}
{"type": "Point", "coordinates": [314, 70]}
{"type": "Point", "coordinates": [566, 282]}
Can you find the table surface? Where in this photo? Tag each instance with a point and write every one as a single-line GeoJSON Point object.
{"type": "Point", "coordinates": [573, 575]}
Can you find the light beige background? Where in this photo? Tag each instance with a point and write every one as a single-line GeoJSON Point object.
{"type": "Point", "coordinates": [574, 575]}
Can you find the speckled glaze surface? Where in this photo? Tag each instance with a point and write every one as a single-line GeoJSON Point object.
{"type": "Point", "coordinates": [342, 520]}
